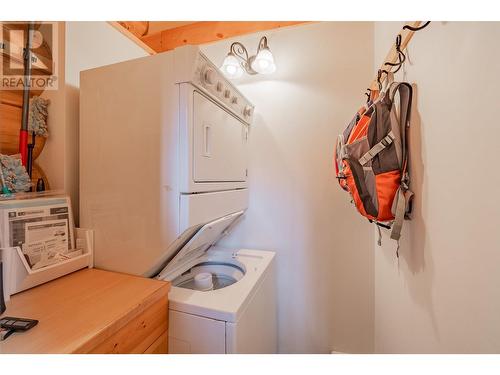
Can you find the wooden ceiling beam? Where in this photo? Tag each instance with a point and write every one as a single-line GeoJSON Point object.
{"type": "Point", "coordinates": [208, 31]}
{"type": "Point", "coordinates": [138, 28]}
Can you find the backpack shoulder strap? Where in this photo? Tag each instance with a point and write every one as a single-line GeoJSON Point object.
{"type": "Point", "coordinates": [405, 92]}
{"type": "Point", "coordinates": [402, 201]}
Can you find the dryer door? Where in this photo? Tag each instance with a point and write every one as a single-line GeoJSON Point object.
{"type": "Point", "coordinates": [220, 151]}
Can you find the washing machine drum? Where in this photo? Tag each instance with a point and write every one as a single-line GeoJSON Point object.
{"type": "Point", "coordinates": [197, 270]}
{"type": "Point", "coordinates": [207, 276]}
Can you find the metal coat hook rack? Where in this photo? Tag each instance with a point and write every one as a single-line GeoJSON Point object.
{"type": "Point", "coordinates": [396, 57]}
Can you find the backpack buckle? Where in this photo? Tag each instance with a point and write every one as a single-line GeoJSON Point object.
{"type": "Point", "coordinates": [405, 182]}
{"type": "Point", "coordinates": [387, 140]}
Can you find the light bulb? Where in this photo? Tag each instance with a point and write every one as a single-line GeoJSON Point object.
{"type": "Point", "coordinates": [264, 62]}
{"type": "Point", "coordinates": [231, 67]}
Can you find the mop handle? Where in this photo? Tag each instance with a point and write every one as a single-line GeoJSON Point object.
{"type": "Point", "coordinates": [23, 134]}
{"type": "Point", "coordinates": [23, 145]}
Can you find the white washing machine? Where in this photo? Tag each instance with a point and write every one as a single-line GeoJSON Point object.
{"type": "Point", "coordinates": [163, 175]}
{"type": "Point", "coordinates": [222, 301]}
{"type": "Point", "coordinates": [237, 316]}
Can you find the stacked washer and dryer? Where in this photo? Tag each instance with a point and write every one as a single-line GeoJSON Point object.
{"type": "Point", "coordinates": [163, 176]}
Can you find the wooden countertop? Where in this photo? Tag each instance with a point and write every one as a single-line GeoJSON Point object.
{"type": "Point", "coordinates": [79, 311]}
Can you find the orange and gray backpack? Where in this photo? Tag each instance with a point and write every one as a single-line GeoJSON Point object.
{"type": "Point", "coordinates": [371, 159]}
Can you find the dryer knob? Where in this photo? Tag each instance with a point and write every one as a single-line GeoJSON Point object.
{"type": "Point", "coordinates": [227, 94]}
{"type": "Point", "coordinates": [247, 112]}
{"type": "Point", "coordinates": [219, 86]}
{"type": "Point", "coordinates": [234, 100]}
{"type": "Point", "coordinates": [210, 76]}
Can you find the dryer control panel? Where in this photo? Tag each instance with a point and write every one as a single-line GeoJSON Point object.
{"type": "Point", "coordinates": [210, 78]}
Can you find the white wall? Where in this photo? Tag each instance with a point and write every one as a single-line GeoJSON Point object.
{"type": "Point", "coordinates": [444, 297]}
{"type": "Point", "coordinates": [82, 45]}
{"type": "Point", "coordinates": [324, 253]}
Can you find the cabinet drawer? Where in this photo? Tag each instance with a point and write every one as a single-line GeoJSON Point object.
{"type": "Point", "coordinates": [160, 346]}
{"type": "Point", "coordinates": [141, 333]}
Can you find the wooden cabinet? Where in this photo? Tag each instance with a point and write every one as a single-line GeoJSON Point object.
{"type": "Point", "coordinates": [92, 311]}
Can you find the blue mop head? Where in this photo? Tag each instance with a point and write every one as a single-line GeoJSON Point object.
{"type": "Point", "coordinates": [37, 119]}
{"type": "Point", "coordinates": [15, 178]}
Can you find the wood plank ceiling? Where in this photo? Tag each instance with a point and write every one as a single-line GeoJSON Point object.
{"type": "Point", "coordinates": [160, 36]}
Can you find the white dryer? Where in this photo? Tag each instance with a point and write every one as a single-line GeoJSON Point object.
{"type": "Point", "coordinates": [163, 175]}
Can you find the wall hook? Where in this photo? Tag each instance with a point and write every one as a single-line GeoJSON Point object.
{"type": "Point", "coordinates": [401, 55]}
{"type": "Point", "coordinates": [368, 94]}
{"type": "Point", "coordinates": [408, 27]}
{"type": "Point", "coordinates": [379, 75]}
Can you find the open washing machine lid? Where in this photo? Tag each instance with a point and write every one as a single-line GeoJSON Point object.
{"type": "Point", "coordinates": [196, 247]}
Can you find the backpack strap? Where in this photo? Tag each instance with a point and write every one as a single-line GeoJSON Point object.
{"type": "Point", "coordinates": [402, 201]}
{"type": "Point", "coordinates": [371, 153]}
{"type": "Point", "coordinates": [389, 81]}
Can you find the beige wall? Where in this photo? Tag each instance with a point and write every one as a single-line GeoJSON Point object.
{"type": "Point", "coordinates": [444, 297]}
{"type": "Point", "coordinates": [82, 45]}
{"type": "Point", "coordinates": [324, 248]}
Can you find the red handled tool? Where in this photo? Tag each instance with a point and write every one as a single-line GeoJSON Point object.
{"type": "Point", "coordinates": [23, 135]}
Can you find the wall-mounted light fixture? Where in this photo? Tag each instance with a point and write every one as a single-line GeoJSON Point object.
{"type": "Point", "coordinates": [238, 60]}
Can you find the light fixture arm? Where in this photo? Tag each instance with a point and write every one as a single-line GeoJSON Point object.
{"type": "Point", "coordinates": [237, 49]}
{"type": "Point", "coordinates": [262, 44]}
